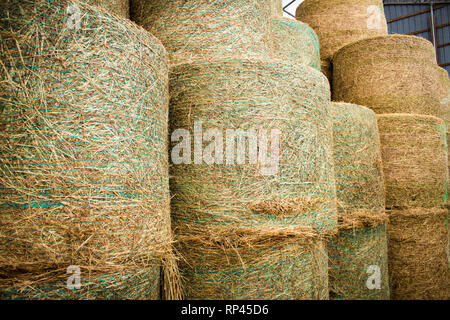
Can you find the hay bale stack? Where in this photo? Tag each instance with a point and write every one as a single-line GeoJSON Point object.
{"type": "Point", "coordinates": [414, 155]}
{"type": "Point", "coordinates": [207, 29]}
{"type": "Point", "coordinates": [340, 22]}
{"type": "Point", "coordinates": [260, 95]}
{"type": "Point", "coordinates": [119, 7]}
{"type": "Point", "coordinates": [83, 144]}
{"type": "Point", "coordinates": [390, 74]}
{"type": "Point", "coordinates": [295, 41]}
{"type": "Point", "coordinates": [444, 90]}
{"type": "Point", "coordinates": [417, 259]}
{"type": "Point", "coordinates": [287, 263]}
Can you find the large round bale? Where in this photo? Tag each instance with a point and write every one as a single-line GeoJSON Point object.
{"type": "Point", "coordinates": [266, 153]}
{"type": "Point", "coordinates": [340, 22]}
{"type": "Point", "coordinates": [358, 260]}
{"type": "Point", "coordinates": [288, 263]}
{"type": "Point", "coordinates": [414, 155]}
{"type": "Point", "coordinates": [390, 74]}
{"type": "Point", "coordinates": [83, 143]}
{"type": "Point", "coordinates": [207, 29]}
{"type": "Point", "coordinates": [357, 159]}
{"type": "Point", "coordinates": [418, 263]}
{"type": "Point", "coordinates": [276, 7]}
{"type": "Point", "coordinates": [119, 7]}
{"type": "Point", "coordinates": [295, 41]}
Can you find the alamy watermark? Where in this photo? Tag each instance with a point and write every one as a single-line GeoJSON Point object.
{"type": "Point", "coordinates": [374, 280]}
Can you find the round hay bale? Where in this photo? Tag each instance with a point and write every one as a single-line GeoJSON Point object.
{"type": "Point", "coordinates": [340, 22]}
{"type": "Point", "coordinates": [261, 98]}
{"type": "Point", "coordinates": [327, 69]}
{"type": "Point", "coordinates": [119, 7]}
{"type": "Point", "coordinates": [444, 83]}
{"type": "Point", "coordinates": [207, 29]}
{"type": "Point", "coordinates": [390, 74]}
{"type": "Point", "coordinates": [418, 263]}
{"type": "Point", "coordinates": [295, 41]}
{"type": "Point", "coordinates": [357, 159]}
{"type": "Point", "coordinates": [83, 145]}
{"type": "Point", "coordinates": [276, 8]}
{"type": "Point", "coordinates": [358, 263]}
{"type": "Point", "coordinates": [414, 156]}
{"type": "Point", "coordinates": [269, 263]}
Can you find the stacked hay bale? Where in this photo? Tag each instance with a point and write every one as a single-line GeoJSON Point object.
{"type": "Point", "coordinates": [340, 22]}
{"type": "Point", "coordinates": [237, 210]}
{"type": "Point", "coordinates": [84, 168]}
{"type": "Point", "coordinates": [396, 77]}
{"type": "Point", "coordinates": [295, 41]}
{"type": "Point", "coordinates": [360, 247]}
{"type": "Point", "coordinates": [207, 29]}
{"type": "Point", "coordinates": [444, 94]}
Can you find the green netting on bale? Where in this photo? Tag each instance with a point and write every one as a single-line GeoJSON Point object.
{"type": "Point", "coordinates": [260, 95]}
{"type": "Point", "coordinates": [83, 143]}
{"type": "Point", "coordinates": [143, 284]}
{"type": "Point", "coordinates": [351, 255]}
{"type": "Point", "coordinates": [281, 263]}
{"type": "Point", "coordinates": [295, 41]}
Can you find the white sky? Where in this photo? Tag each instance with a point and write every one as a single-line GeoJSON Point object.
{"type": "Point", "coordinates": [292, 7]}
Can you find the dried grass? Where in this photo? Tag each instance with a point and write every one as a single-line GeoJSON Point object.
{"type": "Point", "coordinates": [244, 94]}
{"type": "Point", "coordinates": [207, 29]}
{"type": "Point", "coordinates": [287, 263]}
{"type": "Point", "coordinates": [413, 149]}
{"type": "Point", "coordinates": [295, 41]}
{"type": "Point", "coordinates": [389, 74]}
{"type": "Point", "coordinates": [276, 8]}
{"type": "Point", "coordinates": [418, 262]}
{"type": "Point", "coordinates": [119, 7]}
{"type": "Point", "coordinates": [83, 144]}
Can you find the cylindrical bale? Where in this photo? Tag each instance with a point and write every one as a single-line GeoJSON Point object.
{"type": "Point", "coordinates": [444, 83]}
{"type": "Point", "coordinates": [444, 90]}
{"type": "Point", "coordinates": [288, 263]}
{"type": "Point", "coordinates": [327, 69]}
{"type": "Point", "coordinates": [237, 106]}
{"type": "Point", "coordinates": [340, 22]}
{"type": "Point", "coordinates": [357, 159]}
{"type": "Point", "coordinates": [414, 156]}
{"type": "Point", "coordinates": [418, 263]}
{"type": "Point", "coordinates": [207, 29]}
{"type": "Point", "coordinates": [358, 264]}
{"type": "Point", "coordinates": [119, 7]}
{"type": "Point", "coordinates": [276, 7]}
{"type": "Point", "coordinates": [390, 74]}
{"type": "Point", "coordinates": [83, 145]}
{"type": "Point", "coordinates": [295, 41]}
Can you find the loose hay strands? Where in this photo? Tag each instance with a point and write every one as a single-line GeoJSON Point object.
{"type": "Point", "coordinates": [352, 254]}
{"type": "Point", "coordinates": [244, 94]}
{"type": "Point", "coordinates": [417, 259]}
{"type": "Point", "coordinates": [295, 41]}
{"type": "Point", "coordinates": [357, 159]}
{"type": "Point", "coordinates": [83, 144]}
{"type": "Point", "coordinates": [119, 7]}
{"type": "Point", "coordinates": [255, 263]}
{"type": "Point", "coordinates": [390, 74]}
{"type": "Point", "coordinates": [340, 22]}
{"type": "Point", "coordinates": [207, 29]}
{"type": "Point", "coordinates": [413, 150]}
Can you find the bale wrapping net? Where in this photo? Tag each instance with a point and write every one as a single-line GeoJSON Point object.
{"type": "Point", "coordinates": [207, 29]}
{"type": "Point", "coordinates": [295, 41]}
{"type": "Point", "coordinates": [83, 144]}
{"type": "Point", "coordinates": [340, 22]}
{"type": "Point", "coordinates": [288, 263]}
{"type": "Point", "coordinates": [418, 262]}
{"type": "Point", "coordinates": [238, 106]}
{"type": "Point", "coordinates": [390, 74]}
{"type": "Point", "coordinates": [119, 7]}
{"type": "Point", "coordinates": [414, 155]}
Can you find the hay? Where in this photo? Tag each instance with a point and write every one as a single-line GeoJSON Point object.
{"type": "Point", "coordinates": [351, 255]}
{"type": "Point", "coordinates": [327, 69]}
{"type": "Point", "coordinates": [207, 29]}
{"type": "Point", "coordinates": [244, 94]}
{"type": "Point", "coordinates": [295, 41]}
{"type": "Point", "coordinates": [417, 259]}
{"type": "Point", "coordinates": [340, 22]}
{"type": "Point", "coordinates": [413, 150]}
{"type": "Point", "coordinates": [83, 144]}
{"type": "Point", "coordinates": [288, 263]}
{"type": "Point", "coordinates": [391, 74]}
{"type": "Point", "coordinates": [357, 159]}
{"type": "Point", "coordinates": [276, 8]}
{"type": "Point", "coordinates": [119, 7]}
